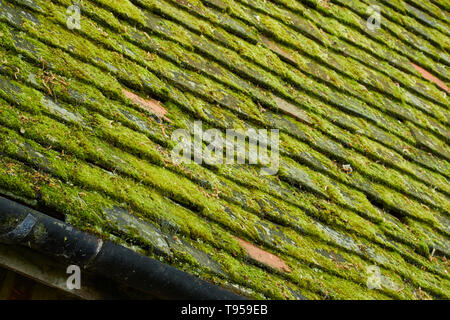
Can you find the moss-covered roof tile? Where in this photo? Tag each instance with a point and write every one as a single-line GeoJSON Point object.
{"type": "Point", "coordinates": [86, 119]}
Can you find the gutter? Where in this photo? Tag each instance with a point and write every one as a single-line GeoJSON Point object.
{"type": "Point", "coordinates": [23, 226]}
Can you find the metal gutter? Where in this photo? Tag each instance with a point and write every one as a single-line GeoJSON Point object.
{"type": "Point", "coordinates": [21, 225]}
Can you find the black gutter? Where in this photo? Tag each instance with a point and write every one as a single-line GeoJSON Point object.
{"type": "Point", "coordinates": [20, 225]}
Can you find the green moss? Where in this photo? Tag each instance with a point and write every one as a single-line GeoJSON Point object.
{"type": "Point", "coordinates": [65, 114]}
{"type": "Point", "coordinates": [166, 66]}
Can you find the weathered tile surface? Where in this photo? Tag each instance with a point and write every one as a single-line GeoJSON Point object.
{"type": "Point", "coordinates": [86, 118]}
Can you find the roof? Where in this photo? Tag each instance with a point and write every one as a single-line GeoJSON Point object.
{"type": "Point", "coordinates": [87, 114]}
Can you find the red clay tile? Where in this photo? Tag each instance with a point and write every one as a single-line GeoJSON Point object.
{"type": "Point", "coordinates": [264, 256]}
{"type": "Point", "coordinates": [430, 77]}
{"type": "Point", "coordinates": [151, 105]}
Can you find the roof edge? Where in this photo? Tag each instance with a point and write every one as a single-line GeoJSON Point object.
{"type": "Point", "coordinates": [21, 225]}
